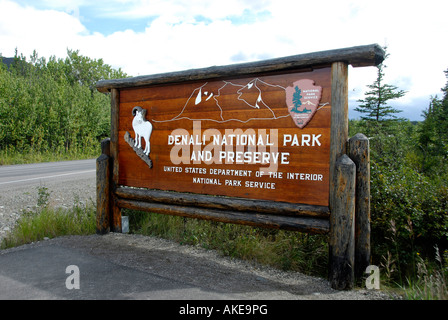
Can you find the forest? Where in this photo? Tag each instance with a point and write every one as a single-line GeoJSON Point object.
{"type": "Point", "coordinates": [52, 107]}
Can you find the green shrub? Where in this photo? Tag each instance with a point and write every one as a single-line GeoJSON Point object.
{"type": "Point", "coordinates": [409, 209]}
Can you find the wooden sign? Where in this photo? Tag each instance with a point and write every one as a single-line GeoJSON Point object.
{"type": "Point", "coordinates": [265, 137]}
{"type": "Point", "coordinates": [262, 144]}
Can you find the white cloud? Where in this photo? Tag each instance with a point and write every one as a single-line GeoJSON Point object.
{"type": "Point", "coordinates": [198, 33]}
{"type": "Point", "coordinates": [181, 10]}
{"type": "Point", "coordinates": [27, 29]}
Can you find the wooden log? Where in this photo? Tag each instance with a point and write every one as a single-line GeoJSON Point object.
{"type": "Point", "coordinates": [115, 223]}
{"type": "Point", "coordinates": [342, 232]}
{"type": "Point", "coordinates": [223, 203]}
{"type": "Point", "coordinates": [360, 56]}
{"type": "Point", "coordinates": [342, 185]}
{"type": "Point", "coordinates": [359, 153]}
{"type": "Point", "coordinates": [115, 121]}
{"type": "Point", "coordinates": [103, 189]}
{"type": "Point", "coordinates": [302, 224]}
{"type": "Point", "coordinates": [339, 117]}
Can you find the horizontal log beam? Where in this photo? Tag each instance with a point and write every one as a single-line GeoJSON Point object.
{"type": "Point", "coordinates": [360, 56]}
{"type": "Point", "coordinates": [223, 203]}
{"type": "Point", "coordinates": [302, 224]}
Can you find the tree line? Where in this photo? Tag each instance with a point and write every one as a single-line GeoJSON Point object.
{"type": "Point", "coordinates": [409, 177]}
{"type": "Point", "coordinates": [53, 106]}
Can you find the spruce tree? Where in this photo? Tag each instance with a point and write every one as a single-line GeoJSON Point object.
{"type": "Point", "coordinates": [375, 106]}
{"type": "Point", "coordinates": [433, 138]}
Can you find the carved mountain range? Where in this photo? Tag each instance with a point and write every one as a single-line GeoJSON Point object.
{"type": "Point", "coordinates": [225, 103]}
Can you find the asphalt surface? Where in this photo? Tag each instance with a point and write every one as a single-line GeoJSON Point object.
{"type": "Point", "coordinates": [31, 174]}
{"type": "Point", "coordinates": [132, 267]}
{"type": "Point", "coordinates": [57, 272]}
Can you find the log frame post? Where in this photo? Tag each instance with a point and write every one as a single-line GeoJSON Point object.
{"type": "Point", "coordinates": [342, 185]}
{"type": "Point", "coordinates": [360, 154]}
{"type": "Point", "coordinates": [339, 115]}
{"type": "Point", "coordinates": [115, 224]}
{"type": "Point", "coordinates": [342, 226]}
{"type": "Point", "coordinates": [103, 192]}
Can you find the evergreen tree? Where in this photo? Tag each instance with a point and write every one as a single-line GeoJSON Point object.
{"type": "Point", "coordinates": [375, 106]}
{"type": "Point", "coordinates": [433, 139]}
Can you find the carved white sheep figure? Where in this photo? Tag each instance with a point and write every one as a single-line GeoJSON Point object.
{"type": "Point", "coordinates": [142, 128]}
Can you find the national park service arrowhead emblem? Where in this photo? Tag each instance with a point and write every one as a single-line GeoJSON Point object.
{"type": "Point", "coordinates": [303, 100]}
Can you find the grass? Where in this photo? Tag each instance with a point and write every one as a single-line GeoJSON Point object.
{"type": "Point", "coordinates": [431, 280]}
{"type": "Point", "coordinates": [422, 278]}
{"type": "Point", "coordinates": [11, 157]}
{"type": "Point", "coordinates": [48, 222]}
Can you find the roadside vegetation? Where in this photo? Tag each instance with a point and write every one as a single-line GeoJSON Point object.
{"type": "Point", "coordinates": [51, 110]}
{"type": "Point", "coordinates": [284, 250]}
{"type": "Point", "coordinates": [409, 177]}
{"type": "Point", "coordinates": [46, 222]}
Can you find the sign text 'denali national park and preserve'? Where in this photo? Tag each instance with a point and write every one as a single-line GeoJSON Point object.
{"type": "Point", "coordinates": [262, 137]}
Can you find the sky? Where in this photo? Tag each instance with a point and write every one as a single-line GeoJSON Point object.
{"type": "Point", "coordinates": [144, 37]}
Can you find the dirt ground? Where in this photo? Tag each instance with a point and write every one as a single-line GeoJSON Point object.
{"type": "Point", "coordinates": [209, 270]}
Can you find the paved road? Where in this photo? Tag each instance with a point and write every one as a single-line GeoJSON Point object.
{"type": "Point", "coordinates": [52, 270]}
{"type": "Point", "coordinates": [35, 174]}
{"type": "Point", "coordinates": [67, 183]}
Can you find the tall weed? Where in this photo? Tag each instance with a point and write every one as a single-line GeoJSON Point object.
{"type": "Point", "coordinates": [431, 280]}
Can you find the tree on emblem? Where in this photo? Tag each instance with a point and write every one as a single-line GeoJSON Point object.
{"type": "Point", "coordinates": [296, 100]}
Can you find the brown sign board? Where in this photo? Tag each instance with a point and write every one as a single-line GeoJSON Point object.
{"type": "Point", "coordinates": [263, 144]}
{"type": "Point", "coordinates": [255, 131]}
{"type": "Point", "coordinates": [261, 137]}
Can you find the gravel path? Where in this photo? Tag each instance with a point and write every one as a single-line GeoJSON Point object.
{"type": "Point", "coordinates": [65, 191]}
